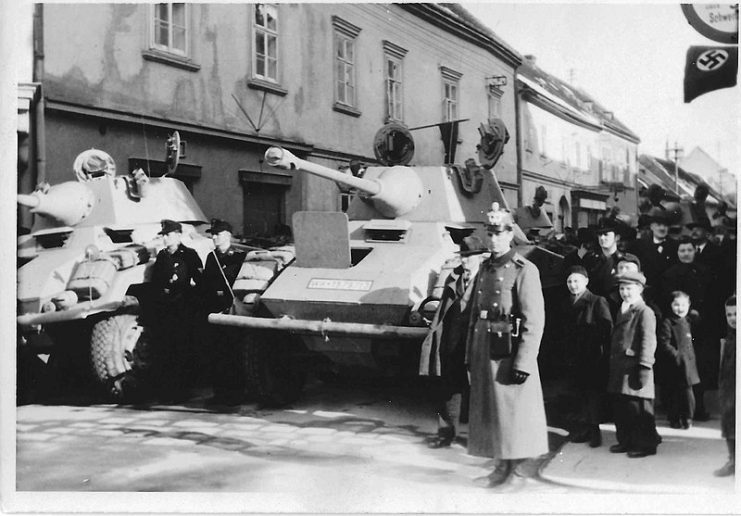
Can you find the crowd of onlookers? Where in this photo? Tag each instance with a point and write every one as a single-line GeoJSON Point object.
{"type": "Point", "coordinates": [663, 297]}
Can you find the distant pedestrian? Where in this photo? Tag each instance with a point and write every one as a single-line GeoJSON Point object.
{"type": "Point", "coordinates": [602, 264]}
{"type": "Point", "coordinates": [676, 368]}
{"type": "Point", "coordinates": [631, 381]}
{"type": "Point", "coordinates": [727, 390]}
{"type": "Point", "coordinates": [507, 414]}
{"type": "Point", "coordinates": [588, 324]}
{"type": "Point", "coordinates": [224, 349]}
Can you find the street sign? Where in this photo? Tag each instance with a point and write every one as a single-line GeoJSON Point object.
{"type": "Point", "coordinates": [718, 22]}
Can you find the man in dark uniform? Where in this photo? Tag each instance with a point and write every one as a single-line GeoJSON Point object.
{"type": "Point", "coordinates": [602, 264]}
{"type": "Point", "coordinates": [657, 253]}
{"type": "Point", "coordinates": [506, 415]}
{"type": "Point", "coordinates": [174, 274]}
{"type": "Point", "coordinates": [222, 267]}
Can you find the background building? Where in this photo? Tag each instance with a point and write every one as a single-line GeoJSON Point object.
{"type": "Point", "coordinates": [578, 150]}
{"type": "Point", "coordinates": [702, 164]}
{"type": "Point", "coordinates": [234, 79]}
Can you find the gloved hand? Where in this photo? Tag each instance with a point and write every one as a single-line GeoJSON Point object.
{"type": "Point", "coordinates": [640, 378]}
{"type": "Point", "coordinates": [519, 377]}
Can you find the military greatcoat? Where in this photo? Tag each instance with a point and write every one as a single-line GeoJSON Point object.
{"type": "Point", "coordinates": [506, 420]}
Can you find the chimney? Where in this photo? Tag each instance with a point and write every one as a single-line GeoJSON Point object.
{"type": "Point", "coordinates": [530, 59]}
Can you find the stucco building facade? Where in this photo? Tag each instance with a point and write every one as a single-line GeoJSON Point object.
{"type": "Point", "coordinates": [576, 149]}
{"type": "Point", "coordinates": [235, 79]}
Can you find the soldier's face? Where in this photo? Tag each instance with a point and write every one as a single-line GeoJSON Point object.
{"type": "Point", "coordinates": [499, 241]}
{"type": "Point", "coordinates": [222, 239]}
{"type": "Point", "coordinates": [607, 239]}
{"type": "Point", "coordinates": [172, 239]}
{"type": "Point", "coordinates": [577, 283]}
{"type": "Point", "coordinates": [630, 292]}
{"type": "Point", "coordinates": [686, 253]}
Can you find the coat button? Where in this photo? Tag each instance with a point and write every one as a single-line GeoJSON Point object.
{"type": "Point", "coordinates": [497, 292]}
{"type": "Point", "coordinates": [496, 304]}
{"type": "Point", "coordinates": [500, 278]}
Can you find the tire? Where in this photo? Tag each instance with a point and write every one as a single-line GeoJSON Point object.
{"type": "Point", "coordinates": [273, 369]}
{"type": "Point", "coordinates": [120, 353]}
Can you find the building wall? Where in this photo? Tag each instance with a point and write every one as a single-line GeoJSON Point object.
{"type": "Point", "coordinates": [108, 68]}
{"type": "Point", "coordinates": [565, 157]}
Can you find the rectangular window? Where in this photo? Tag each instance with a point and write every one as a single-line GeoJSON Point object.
{"type": "Point", "coordinates": [495, 105]}
{"type": "Point", "coordinates": [394, 105]}
{"type": "Point", "coordinates": [265, 51]}
{"type": "Point", "coordinates": [170, 28]}
{"type": "Point", "coordinates": [450, 100]}
{"type": "Point", "coordinates": [345, 69]}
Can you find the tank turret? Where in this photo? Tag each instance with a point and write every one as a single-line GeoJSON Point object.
{"type": "Point", "coordinates": [394, 192]}
{"type": "Point", "coordinates": [68, 203]}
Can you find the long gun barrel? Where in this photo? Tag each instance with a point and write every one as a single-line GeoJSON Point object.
{"type": "Point", "coordinates": [281, 158]}
{"type": "Point", "coordinates": [397, 191]}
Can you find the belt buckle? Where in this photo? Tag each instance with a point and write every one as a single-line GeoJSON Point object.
{"type": "Point", "coordinates": [484, 314]}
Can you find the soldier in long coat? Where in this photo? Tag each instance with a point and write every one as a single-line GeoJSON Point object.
{"type": "Point", "coordinates": [631, 378]}
{"type": "Point", "coordinates": [507, 415]}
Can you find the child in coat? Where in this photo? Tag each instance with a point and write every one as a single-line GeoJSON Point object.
{"type": "Point", "coordinates": [676, 368]}
{"type": "Point", "coordinates": [727, 389]}
{"type": "Point", "coordinates": [588, 327]}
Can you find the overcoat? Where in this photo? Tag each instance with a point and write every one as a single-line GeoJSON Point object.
{"type": "Point", "coordinates": [506, 420]}
{"type": "Point", "coordinates": [691, 278]}
{"type": "Point", "coordinates": [215, 293]}
{"type": "Point", "coordinates": [655, 258]}
{"type": "Point", "coordinates": [633, 345]}
{"type": "Point", "coordinates": [676, 366]}
{"type": "Point", "coordinates": [588, 325]}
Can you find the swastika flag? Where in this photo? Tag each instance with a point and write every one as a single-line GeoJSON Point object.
{"type": "Point", "coordinates": [709, 69]}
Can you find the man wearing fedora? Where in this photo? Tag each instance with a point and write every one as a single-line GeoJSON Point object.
{"type": "Point", "coordinates": [631, 381]}
{"type": "Point", "coordinates": [658, 252]}
{"type": "Point", "coordinates": [221, 270]}
{"type": "Point", "coordinates": [175, 273]}
{"type": "Point", "coordinates": [507, 414]}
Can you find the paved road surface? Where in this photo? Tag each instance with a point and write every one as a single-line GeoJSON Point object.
{"type": "Point", "coordinates": [341, 448]}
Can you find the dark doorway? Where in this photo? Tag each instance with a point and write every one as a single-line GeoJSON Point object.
{"type": "Point", "coordinates": [264, 209]}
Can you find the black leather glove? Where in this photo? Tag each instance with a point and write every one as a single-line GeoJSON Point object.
{"type": "Point", "coordinates": [640, 378]}
{"type": "Point", "coordinates": [519, 377]}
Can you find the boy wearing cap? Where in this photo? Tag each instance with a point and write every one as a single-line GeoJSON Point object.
{"type": "Point", "coordinates": [588, 326]}
{"type": "Point", "coordinates": [507, 414]}
{"type": "Point", "coordinates": [175, 272]}
{"type": "Point", "coordinates": [221, 270]}
{"type": "Point", "coordinates": [631, 381]}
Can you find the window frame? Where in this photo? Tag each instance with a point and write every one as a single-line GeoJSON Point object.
{"type": "Point", "coordinates": [266, 32]}
{"type": "Point", "coordinates": [154, 26]}
{"type": "Point", "coordinates": [450, 79]}
{"type": "Point", "coordinates": [344, 31]}
{"type": "Point", "coordinates": [346, 89]}
{"type": "Point", "coordinates": [394, 86]}
{"type": "Point", "coordinates": [494, 97]}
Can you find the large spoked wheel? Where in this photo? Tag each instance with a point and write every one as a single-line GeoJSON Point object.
{"type": "Point", "coordinates": [120, 352]}
{"type": "Point", "coordinates": [273, 368]}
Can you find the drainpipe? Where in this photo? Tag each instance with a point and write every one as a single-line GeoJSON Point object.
{"type": "Point", "coordinates": [518, 144]}
{"type": "Point", "coordinates": [38, 77]}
